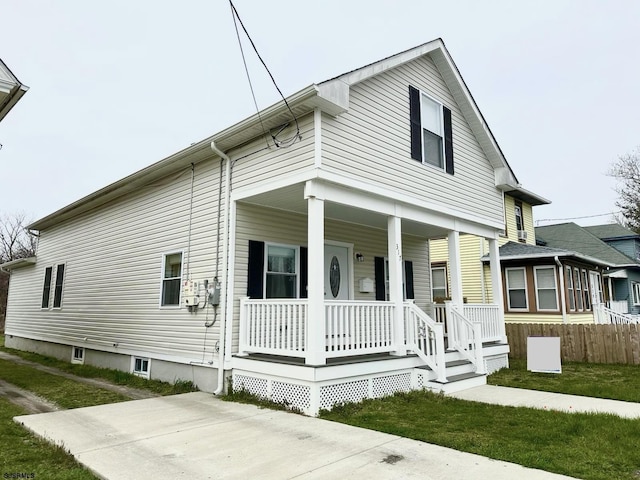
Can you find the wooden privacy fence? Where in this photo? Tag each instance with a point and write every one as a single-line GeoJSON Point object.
{"type": "Point", "coordinates": [581, 343]}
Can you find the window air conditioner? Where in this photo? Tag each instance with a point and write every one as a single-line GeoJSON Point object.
{"type": "Point", "coordinates": [522, 234]}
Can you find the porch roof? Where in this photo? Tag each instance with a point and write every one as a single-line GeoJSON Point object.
{"type": "Point", "coordinates": [524, 251]}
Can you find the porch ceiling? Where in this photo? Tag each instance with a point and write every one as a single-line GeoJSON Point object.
{"type": "Point", "coordinates": [291, 198]}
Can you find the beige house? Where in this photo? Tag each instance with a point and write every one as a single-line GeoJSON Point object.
{"type": "Point", "coordinates": [289, 251]}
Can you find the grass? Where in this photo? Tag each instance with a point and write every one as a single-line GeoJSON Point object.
{"type": "Point", "coordinates": [617, 382]}
{"type": "Point", "coordinates": [22, 452]}
{"type": "Point", "coordinates": [588, 446]}
{"type": "Point", "coordinates": [62, 391]}
{"type": "Point", "coordinates": [116, 377]}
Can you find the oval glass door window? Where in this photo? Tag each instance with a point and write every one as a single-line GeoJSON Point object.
{"type": "Point", "coordinates": [334, 276]}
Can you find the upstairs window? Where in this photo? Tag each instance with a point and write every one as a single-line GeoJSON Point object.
{"type": "Point", "coordinates": [431, 132]}
{"type": "Point", "coordinates": [171, 279]}
{"type": "Point", "coordinates": [518, 212]}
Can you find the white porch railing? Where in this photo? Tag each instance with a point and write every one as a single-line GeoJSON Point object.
{"type": "Point", "coordinates": [619, 306]}
{"type": "Point", "coordinates": [274, 326]}
{"type": "Point", "coordinates": [425, 337]}
{"type": "Point", "coordinates": [465, 336]}
{"type": "Point", "coordinates": [491, 323]}
{"type": "Point", "coordinates": [358, 328]}
{"type": "Point", "coordinates": [604, 315]}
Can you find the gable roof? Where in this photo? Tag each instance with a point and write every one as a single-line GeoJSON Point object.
{"type": "Point", "coordinates": [331, 96]}
{"type": "Point", "coordinates": [525, 251]}
{"type": "Point", "coordinates": [11, 90]}
{"type": "Point", "coordinates": [611, 231]}
{"type": "Point", "coordinates": [574, 237]}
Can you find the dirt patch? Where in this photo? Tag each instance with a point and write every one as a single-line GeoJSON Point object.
{"type": "Point", "coordinates": [31, 402]}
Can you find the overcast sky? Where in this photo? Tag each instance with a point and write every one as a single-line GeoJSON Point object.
{"type": "Point", "coordinates": [118, 85]}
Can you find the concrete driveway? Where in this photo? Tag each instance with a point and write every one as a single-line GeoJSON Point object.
{"type": "Point", "coordinates": [197, 436]}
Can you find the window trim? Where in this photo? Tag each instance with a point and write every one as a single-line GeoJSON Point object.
{"type": "Point", "coordinates": [555, 287]}
{"type": "Point", "coordinates": [526, 290]}
{"type": "Point", "coordinates": [162, 279]}
{"type": "Point", "coordinates": [635, 290]}
{"type": "Point", "coordinates": [577, 286]}
{"type": "Point", "coordinates": [265, 270]}
{"type": "Point", "coordinates": [46, 287]}
{"type": "Point", "coordinates": [77, 359]}
{"type": "Point", "coordinates": [141, 373]}
{"type": "Point", "coordinates": [586, 291]}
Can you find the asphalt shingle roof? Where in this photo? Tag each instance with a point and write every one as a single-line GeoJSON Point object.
{"type": "Point", "coordinates": [579, 239]}
{"type": "Point", "coordinates": [611, 230]}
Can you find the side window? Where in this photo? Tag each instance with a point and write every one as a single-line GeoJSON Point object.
{"type": "Point", "coordinates": [57, 293]}
{"type": "Point", "coordinates": [585, 290]}
{"type": "Point", "coordinates": [636, 293]}
{"type": "Point", "coordinates": [517, 289]}
{"type": "Point", "coordinates": [46, 289]}
{"type": "Point", "coordinates": [577, 284]}
{"type": "Point", "coordinates": [171, 279]}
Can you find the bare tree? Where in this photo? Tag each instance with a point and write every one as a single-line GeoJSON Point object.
{"type": "Point", "coordinates": [627, 171]}
{"type": "Point", "coordinates": [15, 243]}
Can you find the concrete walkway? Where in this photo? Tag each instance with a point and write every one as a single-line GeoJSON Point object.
{"type": "Point", "coordinates": [196, 435]}
{"type": "Point", "coordinates": [519, 397]}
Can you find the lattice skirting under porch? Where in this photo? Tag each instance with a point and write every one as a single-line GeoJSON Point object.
{"type": "Point", "coordinates": [310, 397]}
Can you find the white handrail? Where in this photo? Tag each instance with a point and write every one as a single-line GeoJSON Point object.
{"type": "Point", "coordinates": [425, 337]}
{"type": "Point", "coordinates": [604, 315]}
{"type": "Point", "coordinates": [465, 336]}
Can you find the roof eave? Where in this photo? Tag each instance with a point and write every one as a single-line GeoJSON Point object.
{"type": "Point", "coordinates": [18, 263]}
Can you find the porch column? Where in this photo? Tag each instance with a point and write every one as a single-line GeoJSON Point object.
{"type": "Point", "coordinates": [396, 294]}
{"type": "Point", "coordinates": [316, 336]}
{"type": "Point", "coordinates": [496, 282]}
{"type": "Point", "coordinates": [455, 269]}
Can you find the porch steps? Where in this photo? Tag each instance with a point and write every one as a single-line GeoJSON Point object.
{"type": "Point", "coordinates": [457, 383]}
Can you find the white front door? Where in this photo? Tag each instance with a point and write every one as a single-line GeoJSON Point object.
{"type": "Point", "coordinates": [596, 287]}
{"type": "Point", "coordinates": [337, 275]}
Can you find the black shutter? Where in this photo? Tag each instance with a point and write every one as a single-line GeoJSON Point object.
{"type": "Point", "coordinates": [416, 124]}
{"type": "Point", "coordinates": [408, 279]}
{"type": "Point", "coordinates": [255, 277]}
{"type": "Point", "coordinates": [448, 141]}
{"type": "Point", "coordinates": [304, 271]}
{"type": "Point", "coordinates": [380, 280]}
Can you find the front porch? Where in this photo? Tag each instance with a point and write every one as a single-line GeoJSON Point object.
{"type": "Point", "coordinates": [359, 356]}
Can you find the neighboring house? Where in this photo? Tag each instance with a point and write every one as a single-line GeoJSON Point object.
{"type": "Point", "coordinates": [616, 246]}
{"type": "Point", "coordinates": [11, 90]}
{"type": "Point", "coordinates": [297, 261]}
{"type": "Point", "coordinates": [476, 277]}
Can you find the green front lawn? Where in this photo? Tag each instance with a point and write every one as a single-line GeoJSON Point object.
{"type": "Point", "coordinates": [618, 382]}
{"type": "Point", "coordinates": [588, 446]}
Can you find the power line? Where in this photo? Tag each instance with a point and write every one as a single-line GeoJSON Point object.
{"type": "Point", "coordinates": [576, 218]}
{"type": "Point", "coordinates": [235, 14]}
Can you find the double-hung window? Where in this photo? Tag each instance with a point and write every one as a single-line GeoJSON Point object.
{"type": "Point", "coordinates": [570, 294]}
{"type": "Point", "coordinates": [517, 288]}
{"type": "Point", "coordinates": [46, 289]}
{"type": "Point", "coordinates": [438, 283]}
{"type": "Point", "coordinates": [585, 290]}
{"type": "Point", "coordinates": [546, 293]}
{"type": "Point", "coordinates": [57, 291]}
{"type": "Point", "coordinates": [431, 131]}
{"type": "Point", "coordinates": [281, 272]}
{"type": "Point", "coordinates": [577, 284]}
{"type": "Point", "coordinates": [171, 279]}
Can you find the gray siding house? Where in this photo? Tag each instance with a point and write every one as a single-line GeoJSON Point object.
{"type": "Point", "coordinates": [293, 259]}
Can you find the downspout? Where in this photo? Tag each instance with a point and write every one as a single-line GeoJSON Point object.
{"type": "Point", "coordinates": [225, 251]}
{"type": "Point", "coordinates": [562, 295]}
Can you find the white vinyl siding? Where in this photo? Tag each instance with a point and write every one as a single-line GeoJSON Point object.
{"type": "Point", "coordinates": [517, 289]}
{"type": "Point", "coordinates": [113, 258]}
{"type": "Point", "coordinates": [376, 131]}
{"type": "Point", "coordinates": [280, 227]}
{"type": "Point", "coordinates": [546, 288]}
